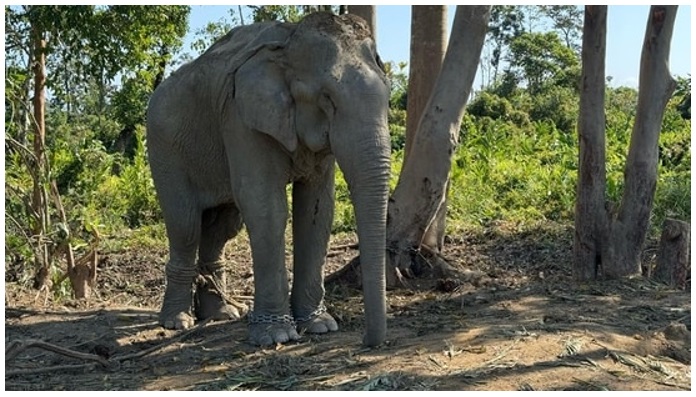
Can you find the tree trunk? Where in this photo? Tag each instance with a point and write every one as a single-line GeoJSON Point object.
{"type": "Point", "coordinates": [627, 232]}
{"type": "Point", "coordinates": [428, 46]}
{"type": "Point", "coordinates": [39, 116]}
{"type": "Point", "coordinates": [674, 254]}
{"type": "Point", "coordinates": [420, 191]}
{"type": "Point", "coordinates": [608, 243]}
{"type": "Point", "coordinates": [590, 213]}
{"type": "Point", "coordinates": [39, 202]}
{"type": "Point", "coordinates": [369, 14]}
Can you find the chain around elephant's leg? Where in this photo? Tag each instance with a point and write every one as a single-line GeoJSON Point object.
{"type": "Point", "coordinates": [211, 300]}
{"type": "Point", "coordinates": [178, 297]}
{"type": "Point", "coordinates": [269, 329]}
{"type": "Point", "coordinates": [317, 322]}
{"type": "Point", "coordinates": [313, 210]}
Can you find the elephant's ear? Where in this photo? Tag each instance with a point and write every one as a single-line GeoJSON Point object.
{"type": "Point", "coordinates": [263, 99]}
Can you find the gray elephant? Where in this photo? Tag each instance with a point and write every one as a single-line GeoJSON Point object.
{"type": "Point", "coordinates": [267, 105]}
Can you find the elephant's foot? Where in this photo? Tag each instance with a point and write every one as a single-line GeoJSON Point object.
{"type": "Point", "coordinates": [210, 305]}
{"type": "Point", "coordinates": [267, 330]}
{"type": "Point", "coordinates": [174, 319]}
{"type": "Point", "coordinates": [176, 306]}
{"type": "Point", "coordinates": [317, 322]}
{"type": "Point", "coordinates": [210, 301]}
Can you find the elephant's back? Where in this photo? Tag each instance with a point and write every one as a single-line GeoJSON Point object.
{"type": "Point", "coordinates": [200, 84]}
{"type": "Point", "coordinates": [238, 38]}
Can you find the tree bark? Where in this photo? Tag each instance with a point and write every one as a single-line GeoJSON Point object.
{"type": "Point", "coordinates": [608, 243]}
{"type": "Point", "coordinates": [39, 104]}
{"type": "Point", "coordinates": [628, 230]}
{"type": "Point", "coordinates": [674, 254]}
{"type": "Point", "coordinates": [428, 46]}
{"type": "Point", "coordinates": [590, 213]}
{"type": "Point", "coordinates": [369, 14]}
{"type": "Point", "coordinates": [39, 202]}
{"type": "Point", "coordinates": [422, 184]}
{"type": "Point", "coordinates": [427, 52]}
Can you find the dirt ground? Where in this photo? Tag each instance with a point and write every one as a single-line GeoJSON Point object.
{"type": "Point", "coordinates": [512, 319]}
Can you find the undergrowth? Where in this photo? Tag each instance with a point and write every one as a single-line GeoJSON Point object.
{"type": "Point", "coordinates": [517, 170]}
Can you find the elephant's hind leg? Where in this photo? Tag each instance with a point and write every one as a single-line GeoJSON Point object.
{"type": "Point", "coordinates": [183, 230]}
{"type": "Point", "coordinates": [218, 226]}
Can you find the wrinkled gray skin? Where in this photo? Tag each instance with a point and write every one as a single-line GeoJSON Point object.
{"type": "Point", "coordinates": [267, 105]}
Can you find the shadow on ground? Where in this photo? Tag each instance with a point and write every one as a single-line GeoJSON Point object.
{"type": "Point", "coordinates": [514, 321]}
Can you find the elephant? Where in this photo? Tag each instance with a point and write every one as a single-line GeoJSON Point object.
{"type": "Point", "coordinates": [267, 105]}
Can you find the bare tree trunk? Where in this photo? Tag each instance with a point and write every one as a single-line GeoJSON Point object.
{"type": "Point", "coordinates": [39, 113]}
{"type": "Point", "coordinates": [421, 188]}
{"type": "Point", "coordinates": [628, 230]}
{"type": "Point", "coordinates": [608, 243]}
{"type": "Point", "coordinates": [674, 254]}
{"type": "Point", "coordinates": [39, 202]}
{"type": "Point", "coordinates": [428, 46]}
{"type": "Point", "coordinates": [590, 213]}
{"type": "Point", "coordinates": [241, 15]}
{"type": "Point", "coordinates": [369, 14]}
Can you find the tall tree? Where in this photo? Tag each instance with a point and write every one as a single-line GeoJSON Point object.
{"type": "Point", "coordinates": [505, 24]}
{"type": "Point", "coordinates": [590, 213]}
{"type": "Point", "coordinates": [428, 46]}
{"type": "Point", "coordinates": [541, 60]}
{"type": "Point", "coordinates": [608, 242]}
{"type": "Point", "coordinates": [421, 189]}
{"type": "Point", "coordinates": [567, 20]}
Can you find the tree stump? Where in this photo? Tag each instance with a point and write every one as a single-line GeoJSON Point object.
{"type": "Point", "coordinates": [674, 254]}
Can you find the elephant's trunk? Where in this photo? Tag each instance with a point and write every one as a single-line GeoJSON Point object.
{"type": "Point", "coordinates": [365, 164]}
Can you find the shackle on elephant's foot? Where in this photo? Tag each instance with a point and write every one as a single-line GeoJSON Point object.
{"type": "Point", "coordinates": [268, 330]}
{"type": "Point", "coordinates": [319, 322]}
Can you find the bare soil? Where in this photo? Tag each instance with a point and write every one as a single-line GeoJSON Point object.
{"type": "Point", "coordinates": [512, 319]}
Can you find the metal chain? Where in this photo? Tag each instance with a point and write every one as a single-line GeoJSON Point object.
{"type": "Point", "coordinates": [311, 316]}
{"type": "Point", "coordinates": [270, 319]}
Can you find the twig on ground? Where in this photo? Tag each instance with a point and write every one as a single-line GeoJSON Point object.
{"type": "Point", "coordinates": [502, 354]}
{"type": "Point", "coordinates": [57, 368]}
{"type": "Point", "coordinates": [15, 347]}
{"type": "Point", "coordinates": [166, 343]}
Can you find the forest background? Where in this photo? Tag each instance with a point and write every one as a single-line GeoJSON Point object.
{"type": "Point", "coordinates": [516, 162]}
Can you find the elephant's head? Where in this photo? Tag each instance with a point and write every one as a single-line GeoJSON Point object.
{"type": "Point", "coordinates": [320, 83]}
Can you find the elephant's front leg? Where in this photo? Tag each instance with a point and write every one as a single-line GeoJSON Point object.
{"type": "Point", "coordinates": [264, 208]}
{"type": "Point", "coordinates": [313, 207]}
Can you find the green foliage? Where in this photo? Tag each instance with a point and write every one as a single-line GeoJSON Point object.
{"type": "Point", "coordinates": [566, 20]}
{"type": "Point", "coordinates": [558, 105]}
{"type": "Point", "coordinates": [397, 103]}
{"type": "Point", "coordinates": [212, 31]}
{"type": "Point", "coordinates": [527, 173]}
{"type": "Point", "coordinates": [541, 60]}
{"type": "Point", "coordinates": [344, 215]}
{"type": "Point", "coordinates": [516, 162]}
{"type": "Point", "coordinates": [86, 48]}
{"type": "Point", "coordinates": [505, 23]}
{"type": "Point", "coordinates": [502, 171]}
{"type": "Point", "coordinates": [287, 13]}
{"type": "Point", "coordinates": [683, 94]}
